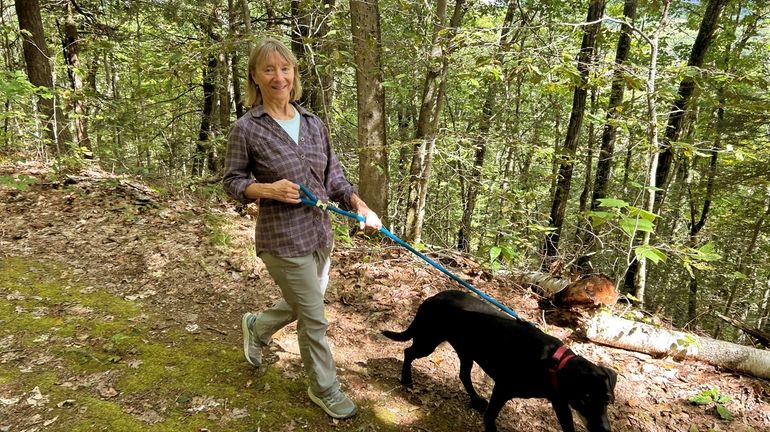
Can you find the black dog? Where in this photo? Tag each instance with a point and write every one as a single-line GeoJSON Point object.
{"type": "Point", "coordinates": [522, 360]}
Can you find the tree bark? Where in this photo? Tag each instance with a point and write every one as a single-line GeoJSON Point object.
{"type": "Point", "coordinates": [312, 47]}
{"type": "Point", "coordinates": [609, 132]}
{"type": "Point", "coordinates": [564, 177]}
{"type": "Point", "coordinates": [640, 263]}
{"type": "Point", "coordinates": [38, 67]}
{"type": "Point", "coordinates": [465, 233]}
{"type": "Point", "coordinates": [732, 52]}
{"type": "Point", "coordinates": [686, 88]}
{"type": "Point", "coordinates": [71, 44]}
{"type": "Point", "coordinates": [203, 149]}
{"type": "Point", "coordinates": [744, 262]}
{"type": "Point", "coordinates": [617, 332]}
{"type": "Point", "coordinates": [373, 149]}
{"type": "Point", "coordinates": [758, 335]}
{"type": "Point", "coordinates": [427, 123]}
{"type": "Point", "coordinates": [234, 58]}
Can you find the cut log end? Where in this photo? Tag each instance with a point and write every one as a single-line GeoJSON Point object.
{"type": "Point", "coordinates": [589, 291]}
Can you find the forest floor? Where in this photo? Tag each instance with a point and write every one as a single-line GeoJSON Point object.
{"type": "Point", "coordinates": [120, 311]}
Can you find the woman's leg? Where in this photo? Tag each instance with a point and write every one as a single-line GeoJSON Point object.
{"type": "Point", "coordinates": [303, 281]}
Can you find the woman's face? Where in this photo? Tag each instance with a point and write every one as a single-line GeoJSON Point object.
{"type": "Point", "coordinates": [275, 78]}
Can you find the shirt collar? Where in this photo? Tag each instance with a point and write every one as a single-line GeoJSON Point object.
{"type": "Point", "coordinates": [259, 110]}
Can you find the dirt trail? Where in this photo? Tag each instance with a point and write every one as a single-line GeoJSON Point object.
{"type": "Point", "coordinates": [119, 311]}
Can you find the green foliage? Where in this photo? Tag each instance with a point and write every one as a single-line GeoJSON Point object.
{"type": "Point", "coordinates": [218, 230]}
{"type": "Point", "coordinates": [341, 233]}
{"type": "Point", "coordinates": [500, 255]}
{"type": "Point", "coordinates": [20, 182]}
{"type": "Point", "coordinates": [143, 67]}
{"type": "Point", "coordinates": [714, 396]}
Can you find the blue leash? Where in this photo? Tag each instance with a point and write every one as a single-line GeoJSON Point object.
{"type": "Point", "coordinates": [310, 200]}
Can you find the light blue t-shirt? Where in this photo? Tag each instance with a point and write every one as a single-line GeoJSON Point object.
{"type": "Point", "coordinates": [291, 126]}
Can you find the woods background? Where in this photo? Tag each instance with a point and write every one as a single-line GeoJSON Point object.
{"type": "Point", "coordinates": [627, 138]}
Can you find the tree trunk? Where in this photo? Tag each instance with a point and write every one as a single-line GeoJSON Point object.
{"type": "Point", "coordinates": [224, 95]}
{"type": "Point", "coordinates": [38, 67]}
{"type": "Point", "coordinates": [764, 309]}
{"type": "Point", "coordinates": [564, 177]}
{"type": "Point", "coordinates": [763, 338]}
{"type": "Point", "coordinates": [745, 261]}
{"type": "Point", "coordinates": [686, 88]}
{"type": "Point", "coordinates": [465, 233]}
{"type": "Point", "coordinates": [587, 184]}
{"type": "Point", "coordinates": [72, 58]}
{"type": "Point", "coordinates": [202, 150]}
{"type": "Point", "coordinates": [732, 54]}
{"type": "Point", "coordinates": [235, 59]}
{"type": "Point", "coordinates": [640, 276]}
{"type": "Point", "coordinates": [609, 132]}
{"type": "Point", "coordinates": [373, 149]}
{"type": "Point", "coordinates": [609, 330]}
{"type": "Point", "coordinates": [430, 110]}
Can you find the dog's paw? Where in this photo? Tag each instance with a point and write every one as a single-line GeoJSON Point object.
{"type": "Point", "coordinates": [479, 405]}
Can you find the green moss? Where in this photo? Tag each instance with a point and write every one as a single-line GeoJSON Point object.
{"type": "Point", "coordinates": [170, 372]}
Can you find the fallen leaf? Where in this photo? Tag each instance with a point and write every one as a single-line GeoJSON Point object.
{"type": "Point", "coordinates": [10, 401]}
{"type": "Point", "coordinates": [107, 391]}
{"type": "Point", "coordinates": [66, 403]}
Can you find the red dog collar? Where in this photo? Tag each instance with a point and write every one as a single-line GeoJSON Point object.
{"type": "Point", "coordinates": [560, 357]}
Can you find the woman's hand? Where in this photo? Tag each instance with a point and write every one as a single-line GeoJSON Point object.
{"type": "Point", "coordinates": [284, 191]}
{"type": "Point", "coordinates": [372, 220]}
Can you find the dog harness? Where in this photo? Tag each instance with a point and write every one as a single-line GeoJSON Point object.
{"type": "Point", "coordinates": [560, 358]}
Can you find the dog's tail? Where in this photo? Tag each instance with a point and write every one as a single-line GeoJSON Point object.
{"type": "Point", "coordinates": [399, 336]}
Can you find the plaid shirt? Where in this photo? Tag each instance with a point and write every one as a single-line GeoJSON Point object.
{"type": "Point", "coordinates": [257, 146]}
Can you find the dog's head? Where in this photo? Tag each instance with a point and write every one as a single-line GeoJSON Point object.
{"type": "Point", "coordinates": [588, 389]}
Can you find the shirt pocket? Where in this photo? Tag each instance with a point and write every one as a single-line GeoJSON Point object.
{"type": "Point", "coordinates": [275, 164]}
{"type": "Point", "coordinates": [316, 158]}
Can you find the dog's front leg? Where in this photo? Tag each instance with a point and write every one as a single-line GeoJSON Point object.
{"type": "Point", "coordinates": [564, 414]}
{"type": "Point", "coordinates": [477, 402]}
{"type": "Point", "coordinates": [496, 403]}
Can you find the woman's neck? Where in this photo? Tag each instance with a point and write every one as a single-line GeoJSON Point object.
{"type": "Point", "coordinates": [279, 110]}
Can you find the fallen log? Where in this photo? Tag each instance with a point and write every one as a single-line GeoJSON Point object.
{"type": "Point", "coordinates": [607, 329]}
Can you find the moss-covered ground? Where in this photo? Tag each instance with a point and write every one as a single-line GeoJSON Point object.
{"type": "Point", "coordinates": [81, 359]}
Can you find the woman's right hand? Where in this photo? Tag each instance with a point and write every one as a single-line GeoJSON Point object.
{"type": "Point", "coordinates": [284, 191]}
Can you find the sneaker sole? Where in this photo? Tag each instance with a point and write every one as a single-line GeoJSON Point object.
{"type": "Point", "coordinates": [320, 403]}
{"type": "Point", "coordinates": [246, 336]}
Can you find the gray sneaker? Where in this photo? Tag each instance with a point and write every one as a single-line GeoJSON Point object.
{"type": "Point", "coordinates": [252, 346]}
{"type": "Point", "coordinates": [336, 404]}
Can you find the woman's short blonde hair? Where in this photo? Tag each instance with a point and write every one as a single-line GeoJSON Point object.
{"type": "Point", "coordinates": [259, 54]}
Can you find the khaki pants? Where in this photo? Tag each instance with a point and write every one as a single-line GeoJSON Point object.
{"type": "Point", "coordinates": [303, 282]}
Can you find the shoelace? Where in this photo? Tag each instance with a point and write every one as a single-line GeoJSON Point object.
{"type": "Point", "coordinates": [333, 398]}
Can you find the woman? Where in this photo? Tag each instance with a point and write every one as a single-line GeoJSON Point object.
{"type": "Point", "coordinates": [280, 145]}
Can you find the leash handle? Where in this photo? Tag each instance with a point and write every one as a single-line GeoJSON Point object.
{"type": "Point", "coordinates": [311, 200]}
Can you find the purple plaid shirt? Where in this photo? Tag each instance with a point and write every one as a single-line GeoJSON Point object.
{"type": "Point", "coordinates": [258, 147]}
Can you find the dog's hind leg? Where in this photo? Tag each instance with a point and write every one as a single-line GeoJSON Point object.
{"type": "Point", "coordinates": [477, 402]}
{"type": "Point", "coordinates": [421, 347]}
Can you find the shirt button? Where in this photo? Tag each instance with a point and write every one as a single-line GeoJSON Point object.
{"type": "Point", "coordinates": [302, 157]}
